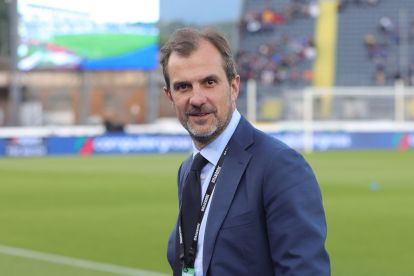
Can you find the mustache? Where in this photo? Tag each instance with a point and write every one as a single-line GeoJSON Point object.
{"type": "Point", "coordinates": [194, 111]}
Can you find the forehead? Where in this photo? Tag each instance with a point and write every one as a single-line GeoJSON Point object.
{"type": "Point", "coordinates": [206, 59]}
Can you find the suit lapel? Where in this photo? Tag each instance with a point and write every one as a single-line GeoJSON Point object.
{"type": "Point", "coordinates": [233, 168]}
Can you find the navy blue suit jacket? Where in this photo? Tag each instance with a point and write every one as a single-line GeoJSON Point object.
{"type": "Point", "coordinates": [266, 215]}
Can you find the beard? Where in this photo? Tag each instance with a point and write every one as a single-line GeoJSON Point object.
{"type": "Point", "coordinates": [204, 135]}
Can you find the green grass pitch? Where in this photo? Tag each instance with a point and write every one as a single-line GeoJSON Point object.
{"type": "Point", "coordinates": [120, 210]}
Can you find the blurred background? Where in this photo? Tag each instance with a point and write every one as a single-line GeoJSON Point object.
{"type": "Point", "coordinates": [82, 69]}
{"type": "Point", "coordinates": [80, 79]}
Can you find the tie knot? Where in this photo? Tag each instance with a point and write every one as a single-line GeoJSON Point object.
{"type": "Point", "coordinates": [198, 162]}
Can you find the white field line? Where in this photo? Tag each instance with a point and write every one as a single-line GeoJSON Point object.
{"type": "Point", "coordinates": [57, 259]}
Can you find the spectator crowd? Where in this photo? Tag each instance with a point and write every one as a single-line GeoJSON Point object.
{"type": "Point", "coordinates": [287, 60]}
{"type": "Point", "coordinates": [390, 40]}
{"type": "Point", "coordinates": [267, 19]}
{"type": "Point", "coordinates": [280, 58]}
{"type": "Point", "coordinates": [283, 58]}
{"type": "Point", "coordinates": [344, 4]}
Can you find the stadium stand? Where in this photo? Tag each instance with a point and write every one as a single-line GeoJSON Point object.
{"type": "Point", "coordinates": [291, 48]}
{"type": "Point", "coordinates": [276, 47]}
{"type": "Point", "coordinates": [283, 46]}
{"type": "Point", "coordinates": [375, 42]}
{"type": "Point", "coordinates": [277, 43]}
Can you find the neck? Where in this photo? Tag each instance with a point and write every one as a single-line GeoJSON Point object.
{"type": "Point", "coordinates": [201, 142]}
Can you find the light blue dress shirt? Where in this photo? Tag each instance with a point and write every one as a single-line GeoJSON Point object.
{"type": "Point", "coordinates": [212, 153]}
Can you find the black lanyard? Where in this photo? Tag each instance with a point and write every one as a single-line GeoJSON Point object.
{"type": "Point", "coordinates": [191, 252]}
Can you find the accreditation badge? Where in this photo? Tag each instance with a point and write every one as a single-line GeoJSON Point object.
{"type": "Point", "coordinates": [188, 271]}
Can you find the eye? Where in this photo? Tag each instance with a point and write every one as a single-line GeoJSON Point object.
{"type": "Point", "coordinates": [210, 82]}
{"type": "Point", "coordinates": [181, 87]}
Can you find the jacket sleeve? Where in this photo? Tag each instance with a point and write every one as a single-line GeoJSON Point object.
{"type": "Point", "coordinates": [295, 217]}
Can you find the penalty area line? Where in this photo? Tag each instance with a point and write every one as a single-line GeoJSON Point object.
{"type": "Point", "coordinates": [75, 262]}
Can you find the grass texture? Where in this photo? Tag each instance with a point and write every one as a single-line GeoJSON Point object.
{"type": "Point", "coordinates": [120, 210]}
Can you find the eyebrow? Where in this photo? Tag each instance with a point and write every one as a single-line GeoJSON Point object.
{"type": "Point", "coordinates": [177, 83]}
{"type": "Point", "coordinates": [202, 80]}
{"type": "Point", "coordinates": [209, 77]}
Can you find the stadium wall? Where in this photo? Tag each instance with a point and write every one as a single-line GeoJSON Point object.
{"type": "Point", "coordinates": [148, 139]}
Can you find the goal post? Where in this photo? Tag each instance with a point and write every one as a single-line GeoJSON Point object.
{"type": "Point", "coordinates": [316, 110]}
{"type": "Point", "coordinates": [353, 107]}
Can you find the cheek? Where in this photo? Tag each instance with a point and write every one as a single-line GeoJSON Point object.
{"type": "Point", "coordinates": [179, 105]}
{"type": "Point", "coordinates": [224, 106]}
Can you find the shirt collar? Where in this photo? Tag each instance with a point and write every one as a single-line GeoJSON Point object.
{"type": "Point", "coordinates": [212, 151]}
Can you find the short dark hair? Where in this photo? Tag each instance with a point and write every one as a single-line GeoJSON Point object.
{"type": "Point", "coordinates": [185, 41]}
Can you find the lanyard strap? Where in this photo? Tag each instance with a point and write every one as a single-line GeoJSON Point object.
{"type": "Point", "coordinates": [191, 252]}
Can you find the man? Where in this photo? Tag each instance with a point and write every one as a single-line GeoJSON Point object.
{"type": "Point", "coordinates": [261, 211]}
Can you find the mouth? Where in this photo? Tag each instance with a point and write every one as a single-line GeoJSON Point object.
{"type": "Point", "coordinates": [199, 117]}
{"type": "Point", "coordinates": [198, 114]}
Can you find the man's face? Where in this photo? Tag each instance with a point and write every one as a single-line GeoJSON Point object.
{"type": "Point", "coordinates": [202, 96]}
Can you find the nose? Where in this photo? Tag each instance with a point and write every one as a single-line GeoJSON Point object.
{"type": "Point", "coordinates": [198, 97]}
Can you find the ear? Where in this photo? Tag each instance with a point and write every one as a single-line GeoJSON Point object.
{"type": "Point", "coordinates": [167, 93]}
{"type": "Point", "coordinates": [235, 86]}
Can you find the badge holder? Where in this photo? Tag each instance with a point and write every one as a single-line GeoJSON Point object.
{"type": "Point", "coordinates": [188, 271]}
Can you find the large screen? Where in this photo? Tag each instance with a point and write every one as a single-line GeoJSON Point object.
{"type": "Point", "coordinates": [88, 34]}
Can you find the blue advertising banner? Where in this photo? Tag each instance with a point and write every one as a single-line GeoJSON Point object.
{"type": "Point", "coordinates": [118, 144]}
{"type": "Point", "coordinates": [70, 145]}
{"type": "Point", "coordinates": [2, 146]}
{"type": "Point", "coordinates": [141, 144]}
{"type": "Point", "coordinates": [25, 146]}
{"type": "Point", "coordinates": [349, 140]}
{"type": "Point", "coordinates": [137, 144]}
{"type": "Point", "coordinates": [321, 141]}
